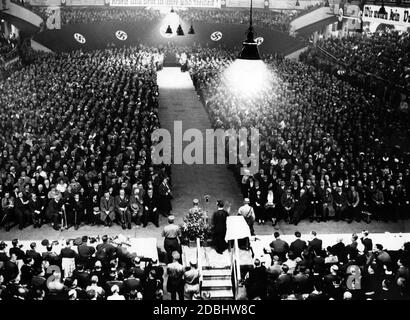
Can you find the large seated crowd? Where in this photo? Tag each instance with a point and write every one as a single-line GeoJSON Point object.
{"type": "Point", "coordinates": [76, 141]}
{"type": "Point", "coordinates": [264, 19]}
{"type": "Point", "coordinates": [7, 49]}
{"type": "Point", "coordinates": [383, 54]}
{"type": "Point", "coordinates": [324, 152]}
{"type": "Point", "coordinates": [75, 137]}
{"type": "Point", "coordinates": [305, 270]}
{"type": "Point", "coordinates": [76, 15]}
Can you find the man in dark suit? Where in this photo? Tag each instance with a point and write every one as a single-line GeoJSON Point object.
{"type": "Point", "coordinates": [339, 250]}
{"type": "Point", "coordinates": [366, 241]}
{"type": "Point", "coordinates": [284, 283]}
{"type": "Point", "coordinates": [33, 254]}
{"type": "Point", "coordinates": [298, 245]}
{"type": "Point", "coordinates": [107, 208]}
{"type": "Point", "coordinates": [51, 256]}
{"type": "Point", "coordinates": [122, 208]}
{"type": "Point", "coordinates": [85, 253]}
{"type": "Point", "coordinates": [279, 247]}
{"type": "Point", "coordinates": [105, 251]}
{"type": "Point", "coordinates": [151, 209]}
{"type": "Point", "coordinates": [315, 244]}
{"type": "Point", "coordinates": [256, 281]}
{"type": "Point", "coordinates": [219, 224]}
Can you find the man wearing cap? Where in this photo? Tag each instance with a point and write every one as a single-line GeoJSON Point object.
{"type": "Point", "coordinates": [175, 283]}
{"type": "Point", "coordinates": [107, 207]}
{"type": "Point", "coordinates": [191, 277]}
{"type": "Point", "coordinates": [219, 225]}
{"type": "Point", "coordinates": [247, 212]}
{"type": "Point", "coordinates": [171, 232]}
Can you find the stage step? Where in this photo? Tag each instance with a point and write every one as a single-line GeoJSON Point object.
{"type": "Point", "coordinates": [212, 273]}
{"type": "Point", "coordinates": [223, 294]}
{"type": "Point", "coordinates": [217, 281]}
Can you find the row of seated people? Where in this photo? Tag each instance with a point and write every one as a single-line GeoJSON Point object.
{"type": "Point", "coordinates": [305, 270]}
{"type": "Point", "coordinates": [65, 205]}
{"type": "Point", "coordinates": [86, 268]}
{"type": "Point", "coordinates": [80, 269]}
{"type": "Point", "coordinates": [272, 200]}
{"type": "Point", "coordinates": [262, 18]}
{"type": "Point", "coordinates": [315, 131]}
{"type": "Point", "coordinates": [75, 119]}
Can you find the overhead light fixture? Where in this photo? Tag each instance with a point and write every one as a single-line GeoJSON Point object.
{"type": "Point", "coordinates": [191, 29]}
{"type": "Point", "coordinates": [382, 10]}
{"type": "Point", "coordinates": [250, 47]}
{"type": "Point", "coordinates": [297, 3]}
{"type": "Point", "coordinates": [169, 30]}
{"type": "Point", "coordinates": [180, 32]}
{"type": "Point", "coordinates": [172, 10]}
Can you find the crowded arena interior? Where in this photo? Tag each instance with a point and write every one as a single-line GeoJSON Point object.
{"type": "Point", "coordinates": [112, 186]}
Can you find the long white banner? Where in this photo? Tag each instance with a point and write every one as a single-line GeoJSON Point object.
{"type": "Point", "coordinates": [394, 16]}
{"type": "Point", "coordinates": [166, 3]}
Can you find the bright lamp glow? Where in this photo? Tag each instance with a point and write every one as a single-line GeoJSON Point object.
{"type": "Point", "coordinates": [247, 78]}
{"type": "Point", "coordinates": [171, 19]}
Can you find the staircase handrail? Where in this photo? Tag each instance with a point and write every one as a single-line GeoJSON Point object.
{"type": "Point", "coordinates": [199, 262]}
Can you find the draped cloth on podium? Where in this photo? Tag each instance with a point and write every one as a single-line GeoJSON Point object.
{"type": "Point", "coordinates": [236, 228]}
{"type": "Point", "coordinates": [144, 248]}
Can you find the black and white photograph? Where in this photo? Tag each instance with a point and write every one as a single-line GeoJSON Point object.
{"type": "Point", "coordinates": [226, 152]}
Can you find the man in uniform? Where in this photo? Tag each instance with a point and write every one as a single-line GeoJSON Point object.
{"type": "Point", "coordinates": [175, 283]}
{"type": "Point", "coordinates": [247, 212]}
{"type": "Point", "coordinates": [171, 232]}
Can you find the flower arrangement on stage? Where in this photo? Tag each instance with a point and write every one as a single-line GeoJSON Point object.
{"type": "Point", "coordinates": [195, 226]}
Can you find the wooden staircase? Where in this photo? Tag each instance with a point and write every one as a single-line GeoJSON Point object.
{"type": "Point", "coordinates": [217, 281]}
